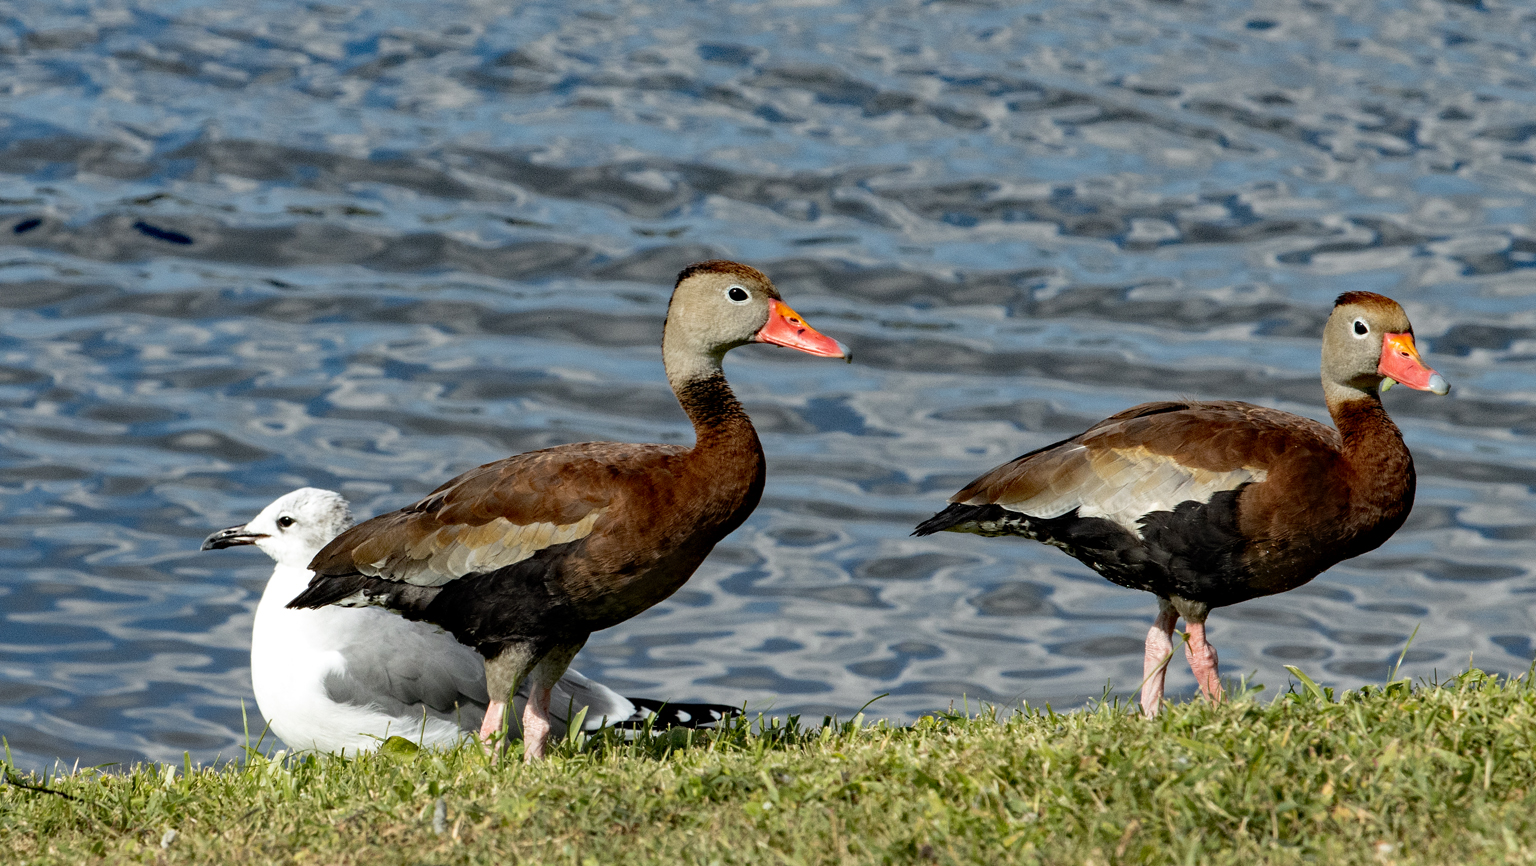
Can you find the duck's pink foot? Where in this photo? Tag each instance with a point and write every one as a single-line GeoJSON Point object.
{"type": "Point", "coordinates": [1202, 660]}
{"type": "Point", "coordinates": [1159, 651]}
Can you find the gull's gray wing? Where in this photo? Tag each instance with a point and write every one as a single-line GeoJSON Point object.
{"type": "Point", "coordinates": [405, 668]}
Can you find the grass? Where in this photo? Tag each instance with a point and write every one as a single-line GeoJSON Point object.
{"type": "Point", "coordinates": [1394, 774]}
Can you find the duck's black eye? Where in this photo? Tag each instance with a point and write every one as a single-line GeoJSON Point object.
{"type": "Point", "coordinates": [285, 521]}
{"type": "Point", "coordinates": [738, 295]}
{"type": "Point", "coordinates": [1361, 328]}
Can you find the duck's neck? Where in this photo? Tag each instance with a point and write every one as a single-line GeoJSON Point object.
{"type": "Point", "coordinates": [1379, 466]}
{"type": "Point", "coordinates": [727, 458]}
{"type": "Point", "coordinates": [719, 422]}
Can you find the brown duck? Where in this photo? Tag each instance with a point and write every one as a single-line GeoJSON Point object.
{"type": "Point", "coordinates": [1212, 503]}
{"type": "Point", "coordinates": [523, 558]}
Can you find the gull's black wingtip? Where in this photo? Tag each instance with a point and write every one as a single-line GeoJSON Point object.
{"type": "Point", "coordinates": [665, 714]}
{"type": "Point", "coordinates": [327, 590]}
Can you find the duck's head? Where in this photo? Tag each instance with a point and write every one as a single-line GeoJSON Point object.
{"type": "Point", "coordinates": [719, 305]}
{"type": "Point", "coordinates": [1368, 346]}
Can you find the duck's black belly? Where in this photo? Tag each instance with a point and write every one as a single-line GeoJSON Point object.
{"type": "Point", "coordinates": [1196, 551]}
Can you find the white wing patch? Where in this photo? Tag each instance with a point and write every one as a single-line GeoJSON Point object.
{"type": "Point", "coordinates": [358, 599]}
{"type": "Point", "coordinates": [1124, 485]}
{"type": "Point", "coordinates": [459, 549]}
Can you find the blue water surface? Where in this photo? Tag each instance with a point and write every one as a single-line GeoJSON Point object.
{"type": "Point", "coordinates": [249, 247]}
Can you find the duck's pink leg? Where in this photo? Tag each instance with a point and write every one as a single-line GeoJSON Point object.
{"type": "Point", "coordinates": [1202, 660]}
{"type": "Point", "coordinates": [536, 725]}
{"type": "Point", "coordinates": [504, 670]}
{"type": "Point", "coordinates": [1159, 651]}
{"type": "Point", "coordinates": [494, 712]}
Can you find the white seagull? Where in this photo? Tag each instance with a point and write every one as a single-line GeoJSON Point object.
{"type": "Point", "coordinates": [343, 679]}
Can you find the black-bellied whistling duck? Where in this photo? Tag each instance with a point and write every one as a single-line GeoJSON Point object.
{"type": "Point", "coordinates": [1209, 504]}
{"type": "Point", "coordinates": [525, 557]}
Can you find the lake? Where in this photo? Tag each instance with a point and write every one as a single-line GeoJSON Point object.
{"type": "Point", "coordinates": [367, 246]}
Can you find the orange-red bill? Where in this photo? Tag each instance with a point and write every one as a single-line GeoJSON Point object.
{"type": "Point", "coordinates": [786, 328]}
{"type": "Point", "coordinates": [1400, 362]}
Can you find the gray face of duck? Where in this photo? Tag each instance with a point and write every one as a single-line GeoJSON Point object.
{"type": "Point", "coordinates": [1368, 346]}
{"type": "Point", "coordinates": [719, 305]}
{"type": "Point", "coordinates": [292, 529]}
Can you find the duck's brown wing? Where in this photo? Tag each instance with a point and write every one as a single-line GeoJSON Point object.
{"type": "Point", "coordinates": [1158, 497]}
{"type": "Point", "coordinates": [486, 520]}
{"type": "Point", "coordinates": [1146, 459]}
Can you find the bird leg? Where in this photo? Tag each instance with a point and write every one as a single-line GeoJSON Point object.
{"type": "Point", "coordinates": [1159, 651]}
{"type": "Point", "coordinates": [536, 724]}
{"type": "Point", "coordinates": [509, 666]}
{"type": "Point", "coordinates": [495, 711]}
{"type": "Point", "coordinates": [1202, 659]}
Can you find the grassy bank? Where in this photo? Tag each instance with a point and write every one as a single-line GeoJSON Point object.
{"type": "Point", "coordinates": [1431, 774]}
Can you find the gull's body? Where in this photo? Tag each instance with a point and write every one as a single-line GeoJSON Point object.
{"type": "Point", "coordinates": [341, 680]}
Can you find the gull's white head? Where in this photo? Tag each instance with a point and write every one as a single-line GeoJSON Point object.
{"type": "Point", "coordinates": [292, 529]}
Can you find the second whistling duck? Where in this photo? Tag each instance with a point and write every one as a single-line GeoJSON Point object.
{"type": "Point", "coordinates": [525, 557]}
{"type": "Point", "coordinates": [1207, 504]}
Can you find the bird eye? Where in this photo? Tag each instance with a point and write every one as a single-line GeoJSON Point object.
{"type": "Point", "coordinates": [285, 521]}
{"type": "Point", "coordinates": [738, 295]}
{"type": "Point", "coordinates": [1361, 328]}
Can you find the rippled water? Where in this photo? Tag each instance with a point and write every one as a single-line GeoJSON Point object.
{"type": "Point", "coordinates": [367, 246]}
